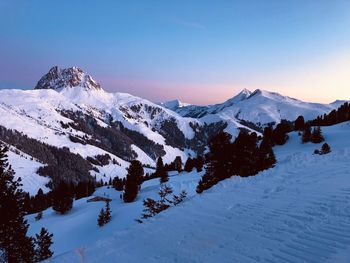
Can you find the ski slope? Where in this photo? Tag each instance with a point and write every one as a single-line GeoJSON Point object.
{"type": "Point", "coordinates": [298, 211]}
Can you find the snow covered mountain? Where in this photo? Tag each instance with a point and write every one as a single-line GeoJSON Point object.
{"type": "Point", "coordinates": [174, 104]}
{"type": "Point", "coordinates": [259, 107]}
{"type": "Point", "coordinates": [103, 131]}
{"type": "Point", "coordinates": [69, 109]}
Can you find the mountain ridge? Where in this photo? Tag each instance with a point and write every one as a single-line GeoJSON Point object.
{"type": "Point", "coordinates": [69, 110]}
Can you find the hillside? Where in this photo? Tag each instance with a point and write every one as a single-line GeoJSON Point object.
{"type": "Point", "coordinates": [295, 212]}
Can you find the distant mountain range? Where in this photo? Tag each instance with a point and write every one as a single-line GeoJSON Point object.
{"type": "Point", "coordinates": [68, 108]}
{"type": "Point", "coordinates": [259, 107]}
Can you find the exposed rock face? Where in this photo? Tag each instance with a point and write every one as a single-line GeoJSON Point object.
{"type": "Point", "coordinates": [58, 78]}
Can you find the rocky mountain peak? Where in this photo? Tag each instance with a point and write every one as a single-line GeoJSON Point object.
{"type": "Point", "coordinates": [58, 78]}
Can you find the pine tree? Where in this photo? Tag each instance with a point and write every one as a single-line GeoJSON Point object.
{"type": "Point", "coordinates": [163, 177]}
{"type": "Point", "coordinates": [177, 199]}
{"type": "Point", "coordinates": [150, 208]}
{"type": "Point", "coordinates": [62, 198]}
{"type": "Point", "coordinates": [189, 165]}
{"type": "Point", "coordinates": [279, 134]}
{"type": "Point", "coordinates": [306, 133]}
{"type": "Point", "coordinates": [268, 136]}
{"type": "Point", "coordinates": [267, 157]}
{"type": "Point", "coordinates": [198, 163]}
{"type": "Point", "coordinates": [105, 215]}
{"type": "Point", "coordinates": [220, 161]}
{"type": "Point", "coordinates": [43, 242]}
{"type": "Point", "coordinates": [299, 123]}
{"type": "Point", "coordinates": [133, 181]}
{"type": "Point", "coordinates": [316, 136]}
{"type": "Point", "coordinates": [39, 201]}
{"type": "Point", "coordinates": [163, 193]}
{"type": "Point", "coordinates": [15, 246]}
{"type": "Point", "coordinates": [153, 207]}
{"type": "Point", "coordinates": [161, 172]}
{"type": "Point", "coordinates": [101, 217]}
{"type": "Point", "coordinates": [108, 215]}
{"type": "Point", "coordinates": [118, 184]}
{"type": "Point", "coordinates": [178, 164]}
{"type": "Point", "coordinates": [81, 190]}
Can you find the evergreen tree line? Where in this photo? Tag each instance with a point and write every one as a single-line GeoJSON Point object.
{"type": "Point", "coordinates": [243, 157]}
{"type": "Point", "coordinates": [339, 115]}
{"type": "Point", "coordinates": [309, 134]}
{"type": "Point", "coordinates": [175, 165]}
{"type": "Point", "coordinates": [135, 175]}
{"type": "Point", "coordinates": [15, 245]}
{"type": "Point", "coordinates": [160, 171]}
{"type": "Point", "coordinates": [61, 196]}
{"type": "Point", "coordinates": [192, 163]}
{"type": "Point", "coordinates": [313, 135]}
{"type": "Point", "coordinates": [279, 134]}
{"type": "Point", "coordinates": [61, 163]}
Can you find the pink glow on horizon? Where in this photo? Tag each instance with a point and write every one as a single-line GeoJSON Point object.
{"type": "Point", "coordinates": [318, 81]}
{"type": "Point", "coordinates": [204, 94]}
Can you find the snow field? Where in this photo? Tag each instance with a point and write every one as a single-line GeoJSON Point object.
{"type": "Point", "coordinates": [298, 211]}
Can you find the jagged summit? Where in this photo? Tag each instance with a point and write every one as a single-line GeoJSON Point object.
{"type": "Point", "coordinates": [242, 95]}
{"type": "Point", "coordinates": [58, 78]}
{"type": "Point", "coordinates": [245, 92]}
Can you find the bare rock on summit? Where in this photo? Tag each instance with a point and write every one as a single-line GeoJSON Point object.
{"type": "Point", "coordinates": [58, 78]}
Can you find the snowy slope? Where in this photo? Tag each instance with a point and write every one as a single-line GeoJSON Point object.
{"type": "Point", "coordinates": [79, 227]}
{"type": "Point", "coordinates": [25, 167]}
{"type": "Point", "coordinates": [265, 107]}
{"type": "Point", "coordinates": [296, 212]}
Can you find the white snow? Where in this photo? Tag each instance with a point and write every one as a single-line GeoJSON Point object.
{"type": "Point", "coordinates": [143, 157]}
{"type": "Point", "coordinates": [297, 211]}
{"type": "Point", "coordinates": [79, 227]}
{"type": "Point", "coordinates": [35, 113]}
{"type": "Point", "coordinates": [173, 104]}
{"type": "Point", "coordinates": [25, 167]}
{"type": "Point", "coordinates": [259, 107]}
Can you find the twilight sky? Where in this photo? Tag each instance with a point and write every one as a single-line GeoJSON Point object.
{"type": "Point", "coordinates": [198, 51]}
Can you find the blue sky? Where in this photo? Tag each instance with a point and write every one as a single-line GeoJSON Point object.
{"type": "Point", "coordinates": [198, 51]}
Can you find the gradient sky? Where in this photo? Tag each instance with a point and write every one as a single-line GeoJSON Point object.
{"type": "Point", "coordinates": [198, 51]}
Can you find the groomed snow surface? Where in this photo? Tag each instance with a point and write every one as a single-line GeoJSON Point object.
{"type": "Point", "coordinates": [298, 211]}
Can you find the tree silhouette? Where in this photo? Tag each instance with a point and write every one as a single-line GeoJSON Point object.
{"type": "Point", "coordinates": [133, 181]}
{"type": "Point", "coordinates": [15, 246]}
{"type": "Point", "coordinates": [62, 198]}
{"type": "Point", "coordinates": [299, 123]}
{"type": "Point", "coordinates": [43, 242]}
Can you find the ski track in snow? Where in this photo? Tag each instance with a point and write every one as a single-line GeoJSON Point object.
{"type": "Point", "coordinates": [298, 211]}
